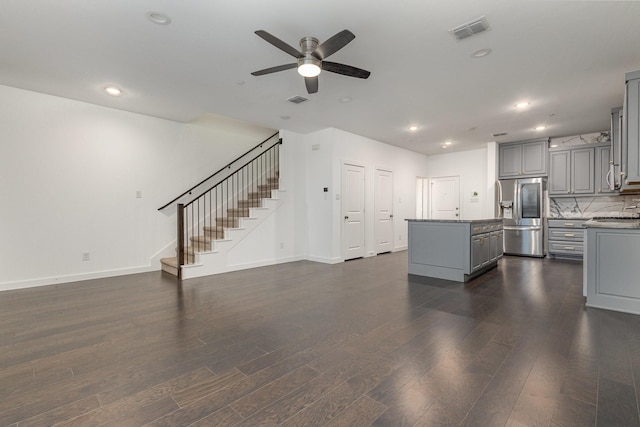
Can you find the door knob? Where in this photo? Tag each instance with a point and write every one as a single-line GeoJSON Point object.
{"type": "Point", "coordinates": [346, 217]}
{"type": "Point", "coordinates": [391, 216]}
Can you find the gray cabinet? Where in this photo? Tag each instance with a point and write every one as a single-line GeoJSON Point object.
{"type": "Point", "coordinates": [572, 171]}
{"type": "Point", "coordinates": [579, 171]}
{"type": "Point", "coordinates": [496, 246]}
{"type": "Point", "coordinates": [523, 158]}
{"type": "Point", "coordinates": [565, 238]}
{"type": "Point", "coordinates": [612, 269]}
{"type": "Point", "coordinates": [559, 172]}
{"type": "Point", "coordinates": [480, 251]}
{"type": "Point", "coordinates": [630, 167]}
{"type": "Point", "coordinates": [484, 244]}
{"type": "Point", "coordinates": [454, 249]}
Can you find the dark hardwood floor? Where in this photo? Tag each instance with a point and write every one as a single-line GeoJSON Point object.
{"type": "Point", "coordinates": [306, 344]}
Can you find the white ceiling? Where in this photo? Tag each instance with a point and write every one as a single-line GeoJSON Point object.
{"type": "Point", "coordinates": [568, 58]}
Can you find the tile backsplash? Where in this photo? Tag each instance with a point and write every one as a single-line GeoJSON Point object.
{"type": "Point", "coordinates": [588, 207]}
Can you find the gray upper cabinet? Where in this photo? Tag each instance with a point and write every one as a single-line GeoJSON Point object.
{"type": "Point", "coordinates": [631, 134]}
{"type": "Point", "coordinates": [523, 158]}
{"type": "Point", "coordinates": [580, 170]}
{"type": "Point", "coordinates": [559, 172]}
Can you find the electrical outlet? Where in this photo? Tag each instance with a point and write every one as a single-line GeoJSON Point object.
{"type": "Point", "coordinates": [86, 256]}
{"type": "Point", "coordinates": [138, 194]}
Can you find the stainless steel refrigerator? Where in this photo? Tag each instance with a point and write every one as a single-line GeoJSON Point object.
{"type": "Point", "coordinates": [521, 207]}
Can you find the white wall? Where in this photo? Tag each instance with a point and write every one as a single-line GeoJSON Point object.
{"type": "Point", "coordinates": [474, 171]}
{"type": "Point", "coordinates": [69, 173]}
{"type": "Point", "coordinates": [324, 167]}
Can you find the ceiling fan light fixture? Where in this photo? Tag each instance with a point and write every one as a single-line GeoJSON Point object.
{"type": "Point", "coordinates": [309, 67]}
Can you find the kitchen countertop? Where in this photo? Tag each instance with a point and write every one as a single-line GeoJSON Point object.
{"type": "Point", "coordinates": [628, 223]}
{"type": "Point", "coordinates": [463, 221]}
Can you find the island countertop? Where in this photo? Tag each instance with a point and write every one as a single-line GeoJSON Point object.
{"type": "Point", "coordinates": [458, 221]}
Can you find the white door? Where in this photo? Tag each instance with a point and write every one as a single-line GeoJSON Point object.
{"type": "Point", "coordinates": [445, 197]}
{"type": "Point", "coordinates": [384, 211]}
{"type": "Point", "coordinates": [352, 211]}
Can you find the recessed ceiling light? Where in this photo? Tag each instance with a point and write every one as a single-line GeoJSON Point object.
{"type": "Point", "coordinates": [113, 90]}
{"type": "Point", "coordinates": [448, 143]}
{"type": "Point", "coordinates": [158, 17]}
{"type": "Point", "coordinates": [541, 127]}
{"type": "Point", "coordinates": [523, 104]}
{"type": "Point", "coordinates": [444, 146]}
{"type": "Point", "coordinates": [345, 100]}
{"type": "Point", "coordinates": [413, 128]}
{"type": "Point", "coordinates": [554, 145]}
{"type": "Point", "coordinates": [481, 53]}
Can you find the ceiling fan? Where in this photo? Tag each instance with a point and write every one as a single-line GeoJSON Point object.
{"type": "Point", "coordinates": [311, 58]}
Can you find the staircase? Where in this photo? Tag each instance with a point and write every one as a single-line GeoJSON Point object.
{"type": "Point", "coordinates": [205, 242]}
{"type": "Point", "coordinates": [221, 216]}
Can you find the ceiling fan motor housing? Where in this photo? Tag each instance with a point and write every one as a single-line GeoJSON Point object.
{"type": "Point", "coordinates": [309, 65]}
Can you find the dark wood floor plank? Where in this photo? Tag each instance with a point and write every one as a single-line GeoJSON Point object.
{"type": "Point", "coordinates": [271, 392]}
{"type": "Point", "coordinates": [62, 413]}
{"type": "Point", "coordinates": [225, 417]}
{"type": "Point", "coordinates": [341, 397]}
{"type": "Point", "coordinates": [361, 414]}
{"type": "Point", "coordinates": [294, 402]}
{"type": "Point", "coordinates": [573, 413]}
{"type": "Point", "coordinates": [617, 405]}
{"type": "Point", "coordinates": [130, 405]}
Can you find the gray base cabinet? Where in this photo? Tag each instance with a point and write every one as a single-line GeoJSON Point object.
{"type": "Point", "coordinates": [611, 269]}
{"type": "Point", "coordinates": [565, 238]}
{"type": "Point", "coordinates": [455, 250]}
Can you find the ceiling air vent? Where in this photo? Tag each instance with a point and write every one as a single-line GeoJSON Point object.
{"type": "Point", "coordinates": [297, 99]}
{"type": "Point", "coordinates": [497, 134]}
{"type": "Point", "coordinates": [470, 28]}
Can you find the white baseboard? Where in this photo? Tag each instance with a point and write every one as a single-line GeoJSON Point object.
{"type": "Point", "coordinates": [324, 260]}
{"type": "Point", "coordinates": [46, 281]}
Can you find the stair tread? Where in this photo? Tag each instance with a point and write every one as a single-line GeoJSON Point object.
{"type": "Point", "coordinates": [171, 261]}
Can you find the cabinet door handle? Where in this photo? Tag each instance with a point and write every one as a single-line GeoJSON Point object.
{"type": "Point", "coordinates": [569, 224]}
{"type": "Point", "coordinates": [569, 235]}
{"type": "Point", "coordinates": [569, 248]}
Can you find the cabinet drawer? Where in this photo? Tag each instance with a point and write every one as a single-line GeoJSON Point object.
{"type": "Point", "coordinates": [570, 234]}
{"type": "Point", "coordinates": [480, 228]}
{"type": "Point", "coordinates": [566, 223]}
{"type": "Point", "coordinates": [566, 247]}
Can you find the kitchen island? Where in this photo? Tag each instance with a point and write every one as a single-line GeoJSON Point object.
{"type": "Point", "coordinates": [611, 269]}
{"type": "Point", "coordinates": [457, 250]}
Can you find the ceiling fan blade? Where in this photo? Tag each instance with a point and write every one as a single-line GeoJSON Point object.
{"type": "Point", "coordinates": [346, 70]}
{"type": "Point", "coordinates": [311, 83]}
{"type": "Point", "coordinates": [334, 44]}
{"type": "Point", "coordinates": [274, 69]}
{"type": "Point", "coordinates": [279, 44]}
